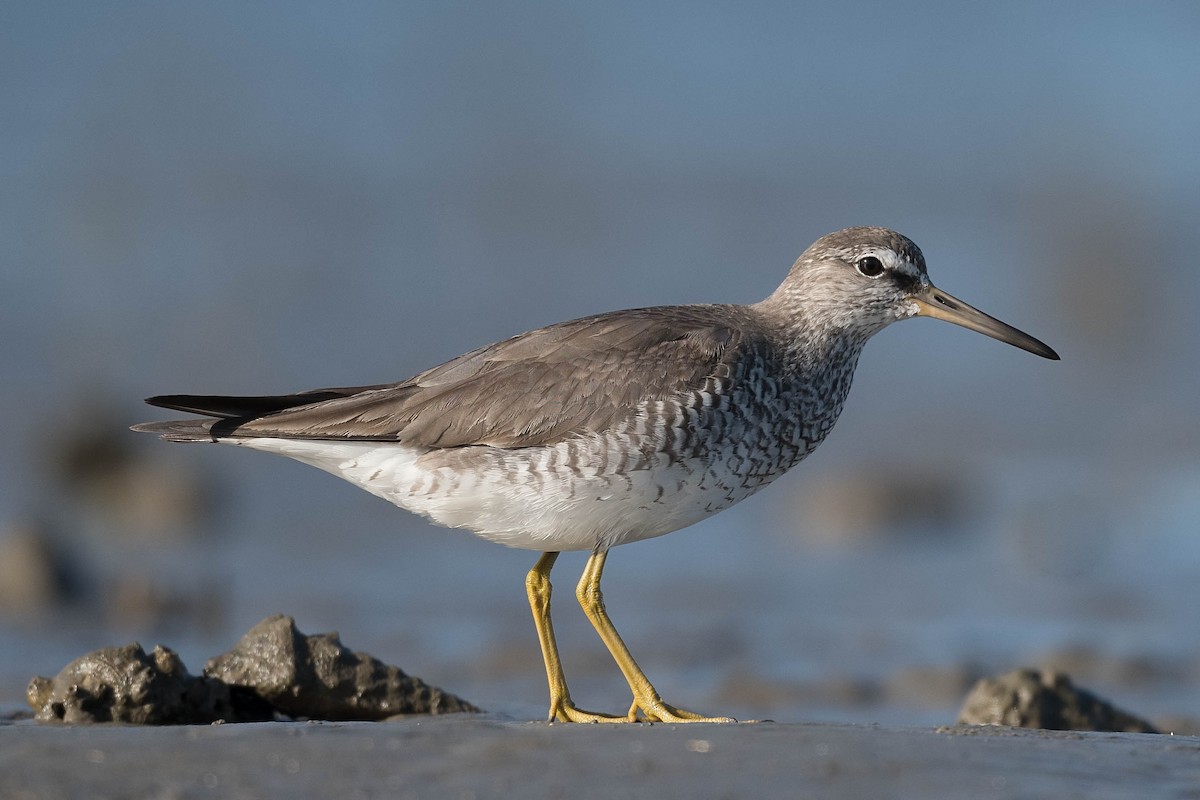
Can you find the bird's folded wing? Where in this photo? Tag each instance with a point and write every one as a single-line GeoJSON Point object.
{"type": "Point", "coordinates": [536, 388]}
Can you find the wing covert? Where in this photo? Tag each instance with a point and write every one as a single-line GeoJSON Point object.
{"type": "Point", "coordinates": [535, 388]}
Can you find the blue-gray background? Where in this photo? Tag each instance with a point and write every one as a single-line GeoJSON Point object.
{"type": "Point", "coordinates": [243, 198]}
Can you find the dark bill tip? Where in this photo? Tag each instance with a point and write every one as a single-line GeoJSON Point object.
{"type": "Point", "coordinates": [933, 302]}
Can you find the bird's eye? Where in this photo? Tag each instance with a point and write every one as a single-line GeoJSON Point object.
{"type": "Point", "coordinates": [870, 266]}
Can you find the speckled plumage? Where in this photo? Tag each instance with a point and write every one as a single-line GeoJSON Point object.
{"type": "Point", "coordinates": [609, 429]}
{"type": "Point", "coordinates": [586, 434]}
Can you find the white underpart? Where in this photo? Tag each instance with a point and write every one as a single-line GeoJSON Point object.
{"type": "Point", "coordinates": [495, 493]}
{"type": "Point", "coordinates": [668, 465]}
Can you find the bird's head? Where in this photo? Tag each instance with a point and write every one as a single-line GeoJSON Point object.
{"type": "Point", "coordinates": [857, 281]}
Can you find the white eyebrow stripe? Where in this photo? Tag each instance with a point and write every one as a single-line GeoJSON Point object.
{"type": "Point", "coordinates": [892, 261]}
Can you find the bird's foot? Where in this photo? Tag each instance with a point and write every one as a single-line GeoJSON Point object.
{"type": "Point", "coordinates": [642, 710]}
{"type": "Point", "coordinates": [653, 709]}
{"type": "Point", "coordinates": [564, 710]}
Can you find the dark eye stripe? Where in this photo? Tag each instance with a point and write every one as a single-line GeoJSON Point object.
{"type": "Point", "coordinates": [907, 283]}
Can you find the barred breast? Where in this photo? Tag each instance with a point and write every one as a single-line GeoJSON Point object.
{"type": "Point", "coordinates": [670, 464]}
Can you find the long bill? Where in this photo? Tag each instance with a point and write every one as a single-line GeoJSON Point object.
{"type": "Point", "coordinates": [933, 302]}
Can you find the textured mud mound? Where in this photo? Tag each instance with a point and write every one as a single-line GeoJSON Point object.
{"type": "Point", "coordinates": [317, 677]}
{"type": "Point", "coordinates": [1047, 699]}
{"type": "Point", "coordinates": [125, 684]}
{"type": "Point", "coordinates": [275, 671]}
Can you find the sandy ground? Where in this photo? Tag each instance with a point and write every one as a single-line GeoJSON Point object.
{"type": "Point", "coordinates": [478, 757]}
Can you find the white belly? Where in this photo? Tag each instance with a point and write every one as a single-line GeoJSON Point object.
{"type": "Point", "coordinates": [530, 498]}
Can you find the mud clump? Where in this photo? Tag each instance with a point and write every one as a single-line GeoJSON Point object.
{"type": "Point", "coordinates": [317, 677]}
{"type": "Point", "coordinates": [274, 672]}
{"type": "Point", "coordinates": [125, 684]}
{"type": "Point", "coordinates": [1045, 699]}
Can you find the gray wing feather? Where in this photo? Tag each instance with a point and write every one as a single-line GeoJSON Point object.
{"type": "Point", "coordinates": [536, 388]}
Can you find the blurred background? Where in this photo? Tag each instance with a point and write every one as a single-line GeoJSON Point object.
{"type": "Point", "coordinates": [259, 198]}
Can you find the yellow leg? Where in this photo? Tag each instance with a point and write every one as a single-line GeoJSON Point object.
{"type": "Point", "coordinates": [537, 585]}
{"type": "Point", "coordinates": [645, 698]}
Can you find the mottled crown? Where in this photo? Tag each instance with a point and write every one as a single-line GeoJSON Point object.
{"type": "Point", "coordinates": [849, 244]}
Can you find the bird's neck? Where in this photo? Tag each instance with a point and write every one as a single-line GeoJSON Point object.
{"type": "Point", "coordinates": [815, 339]}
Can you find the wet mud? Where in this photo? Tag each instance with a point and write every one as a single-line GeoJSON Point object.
{"type": "Point", "coordinates": [1047, 700]}
{"type": "Point", "coordinates": [273, 672]}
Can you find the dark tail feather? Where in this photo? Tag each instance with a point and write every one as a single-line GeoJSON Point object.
{"type": "Point", "coordinates": [231, 407]}
{"type": "Point", "coordinates": [230, 411]}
